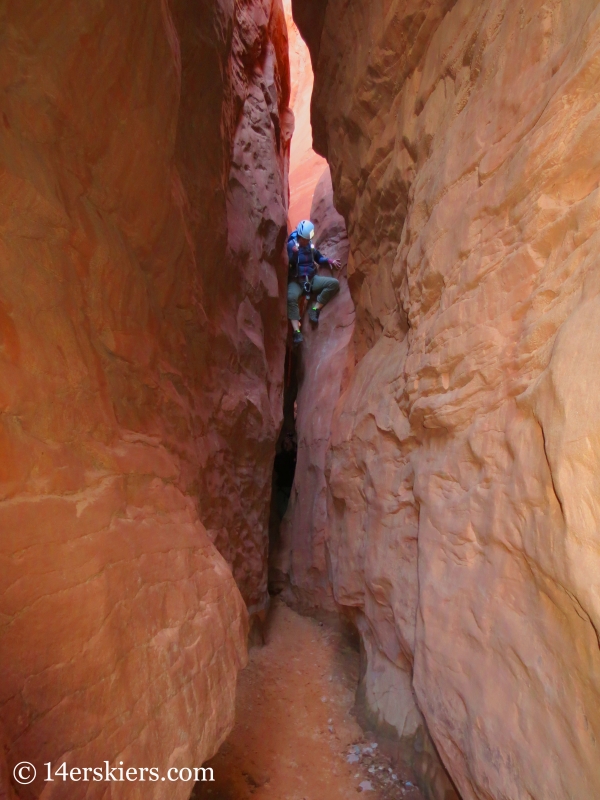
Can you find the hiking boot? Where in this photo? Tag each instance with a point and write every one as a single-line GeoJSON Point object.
{"type": "Point", "coordinates": [298, 338]}
{"type": "Point", "coordinates": [313, 315]}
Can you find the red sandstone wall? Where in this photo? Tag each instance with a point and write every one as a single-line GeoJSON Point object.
{"type": "Point", "coordinates": [141, 350]}
{"type": "Point", "coordinates": [243, 298]}
{"type": "Point", "coordinates": [306, 166]}
{"type": "Point", "coordinates": [462, 519]}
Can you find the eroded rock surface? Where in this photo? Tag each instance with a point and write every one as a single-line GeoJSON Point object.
{"type": "Point", "coordinates": [306, 166]}
{"type": "Point", "coordinates": [463, 524]}
{"type": "Point", "coordinates": [143, 205]}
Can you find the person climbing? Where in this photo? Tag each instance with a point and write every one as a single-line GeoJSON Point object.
{"type": "Point", "coordinates": [305, 259]}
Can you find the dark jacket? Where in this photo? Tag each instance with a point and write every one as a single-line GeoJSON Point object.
{"type": "Point", "coordinates": [304, 260]}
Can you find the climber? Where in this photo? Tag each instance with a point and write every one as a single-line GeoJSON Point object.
{"type": "Point", "coordinates": [304, 261]}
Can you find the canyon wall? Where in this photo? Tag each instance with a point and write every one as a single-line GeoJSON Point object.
{"type": "Point", "coordinates": [462, 525]}
{"type": "Point", "coordinates": [143, 205]}
{"type": "Point", "coordinates": [306, 166]}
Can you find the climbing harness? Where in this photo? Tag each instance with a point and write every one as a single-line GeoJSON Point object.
{"type": "Point", "coordinates": [302, 272]}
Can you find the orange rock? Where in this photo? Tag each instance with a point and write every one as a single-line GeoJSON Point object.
{"type": "Point", "coordinates": [462, 526]}
{"type": "Point", "coordinates": [306, 167]}
{"type": "Point", "coordinates": [143, 207]}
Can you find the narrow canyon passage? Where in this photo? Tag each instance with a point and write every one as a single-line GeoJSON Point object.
{"type": "Point", "coordinates": [295, 736]}
{"type": "Point", "coordinates": [442, 408]}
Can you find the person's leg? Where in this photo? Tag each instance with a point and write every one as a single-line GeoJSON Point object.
{"type": "Point", "coordinates": [294, 293]}
{"type": "Point", "coordinates": [327, 288]}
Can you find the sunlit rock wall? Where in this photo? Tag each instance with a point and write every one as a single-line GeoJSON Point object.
{"type": "Point", "coordinates": [143, 203]}
{"type": "Point", "coordinates": [463, 515]}
{"type": "Point", "coordinates": [306, 166]}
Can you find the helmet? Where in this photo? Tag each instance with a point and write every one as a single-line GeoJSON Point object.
{"type": "Point", "coordinates": [306, 229]}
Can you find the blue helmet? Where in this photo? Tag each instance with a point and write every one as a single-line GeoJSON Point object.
{"type": "Point", "coordinates": [306, 229]}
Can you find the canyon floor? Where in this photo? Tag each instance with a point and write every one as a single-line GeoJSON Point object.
{"type": "Point", "coordinates": [295, 736]}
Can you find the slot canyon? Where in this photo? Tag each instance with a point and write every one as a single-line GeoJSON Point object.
{"type": "Point", "coordinates": [429, 586]}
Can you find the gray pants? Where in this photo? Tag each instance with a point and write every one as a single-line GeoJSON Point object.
{"type": "Point", "coordinates": [326, 287]}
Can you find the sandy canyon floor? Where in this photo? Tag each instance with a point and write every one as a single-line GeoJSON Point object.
{"type": "Point", "coordinates": [295, 737]}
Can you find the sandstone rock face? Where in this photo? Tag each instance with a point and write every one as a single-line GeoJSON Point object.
{"type": "Point", "coordinates": [462, 513]}
{"type": "Point", "coordinates": [143, 205]}
{"type": "Point", "coordinates": [306, 166]}
{"type": "Point", "coordinates": [326, 358]}
{"type": "Point", "coordinates": [243, 297]}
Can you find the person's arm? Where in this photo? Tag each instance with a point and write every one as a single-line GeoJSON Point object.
{"type": "Point", "coordinates": [326, 262]}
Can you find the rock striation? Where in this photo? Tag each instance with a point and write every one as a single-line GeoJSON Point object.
{"type": "Point", "coordinates": [462, 525]}
{"type": "Point", "coordinates": [143, 205]}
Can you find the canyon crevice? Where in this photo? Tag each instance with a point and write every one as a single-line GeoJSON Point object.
{"type": "Point", "coordinates": [446, 492]}
{"type": "Point", "coordinates": [306, 166]}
